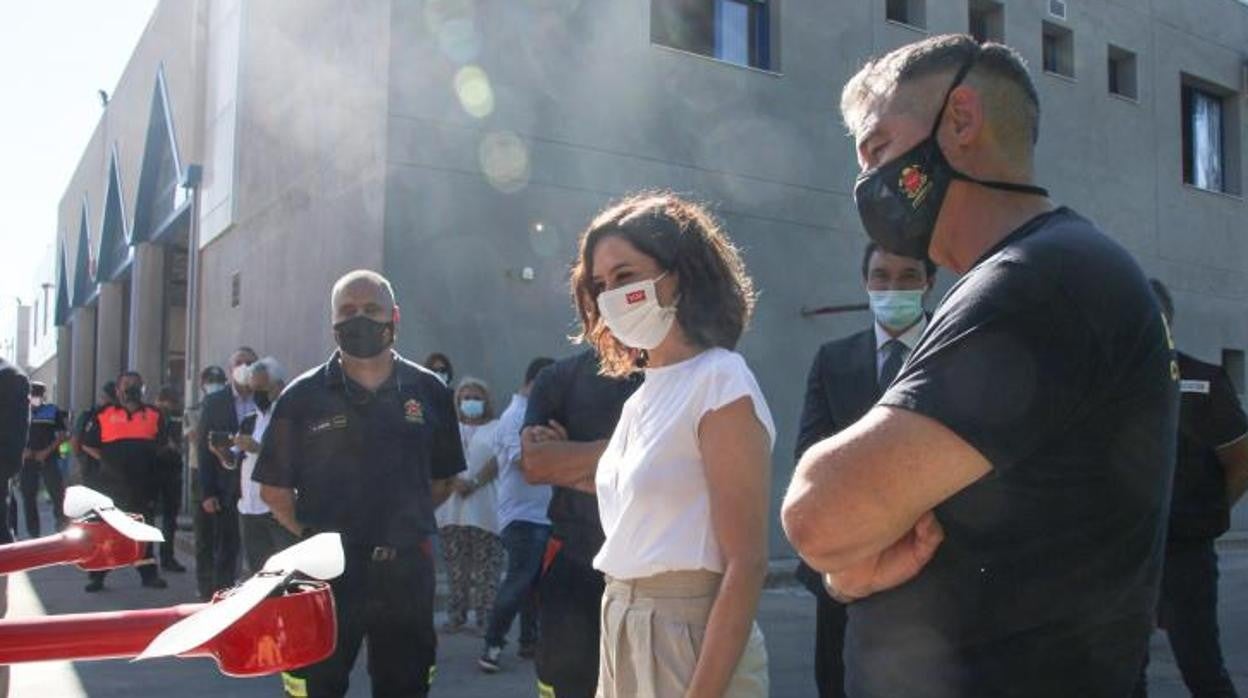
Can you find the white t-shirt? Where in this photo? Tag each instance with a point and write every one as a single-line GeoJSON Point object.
{"type": "Point", "coordinates": [652, 492]}
{"type": "Point", "coordinates": [480, 508]}
{"type": "Point", "coordinates": [249, 501]}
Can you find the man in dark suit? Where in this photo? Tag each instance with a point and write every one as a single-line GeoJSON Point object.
{"type": "Point", "coordinates": [14, 422]}
{"type": "Point", "coordinates": [847, 377]}
{"type": "Point", "coordinates": [217, 545]}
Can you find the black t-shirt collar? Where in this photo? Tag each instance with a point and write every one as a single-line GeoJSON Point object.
{"type": "Point", "coordinates": [337, 379]}
{"type": "Point", "coordinates": [1027, 228]}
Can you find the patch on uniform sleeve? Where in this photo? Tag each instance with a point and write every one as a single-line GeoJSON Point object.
{"type": "Point", "coordinates": [414, 412]}
{"type": "Point", "coordinates": [1193, 386]}
{"type": "Point", "coordinates": [294, 686]}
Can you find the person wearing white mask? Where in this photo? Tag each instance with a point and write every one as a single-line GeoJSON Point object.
{"type": "Point", "coordinates": [846, 378]}
{"type": "Point", "coordinates": [683, 486]}
{"type": "Point", "coordinates": [468, 519]}
{"type": "Point", "coordinates": [262, 535]}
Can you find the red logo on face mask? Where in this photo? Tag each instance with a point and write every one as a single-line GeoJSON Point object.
{"type": "Point", "coordinates": [914, 184]}
{"type": "Point", "coordinates": [635, 297]}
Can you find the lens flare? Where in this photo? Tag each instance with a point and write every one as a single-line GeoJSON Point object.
{"type": "Point", "coordinates": [504, 160]}
{"type": "Point", "coordinates": [472, 86]}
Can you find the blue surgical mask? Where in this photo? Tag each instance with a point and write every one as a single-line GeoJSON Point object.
{"type": "Point", "coordinates": [472, 408]}
{"type": "Point", "coordinates": [896, 310]}
{"type": "Point", "coordinates": [210, 388]}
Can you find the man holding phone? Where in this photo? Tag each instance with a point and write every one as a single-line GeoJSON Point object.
{"type": "Point", "coordinates": [216, 549]}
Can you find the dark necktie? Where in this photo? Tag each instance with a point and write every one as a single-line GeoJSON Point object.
{"type": "Point", "coordinates": [892, 363]}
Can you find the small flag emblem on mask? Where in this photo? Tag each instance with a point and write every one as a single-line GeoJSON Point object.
{"type": "Point", "coordinates": [635, 297]}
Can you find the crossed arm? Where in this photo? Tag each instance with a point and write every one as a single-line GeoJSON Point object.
{"type": "Point", "coordinates": [859, 507]}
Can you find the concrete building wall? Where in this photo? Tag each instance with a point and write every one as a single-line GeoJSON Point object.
{"type": "Point", "coordinates": [455, 145]}
{"type": "Point", "coordinates": [310, 143]}
{"type": "Point", "coordinates": [584, 108]}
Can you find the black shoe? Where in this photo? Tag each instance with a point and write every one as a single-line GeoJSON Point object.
{"type": "Point", "coordinates": [93, 586]}
{"type": "Point", "coordinates": [172, 565]}
{"type": "Point", "coordinates": [155, 583]}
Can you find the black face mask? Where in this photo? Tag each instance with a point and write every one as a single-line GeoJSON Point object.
{"type": "Point", "coordinates": [362, 337]}
{"type": "Point", "coordinates": [134, 393]}
{"type": "Point", "coordinates": [900, 200]}
{"type": "Point", "coordinates": [262, 400]}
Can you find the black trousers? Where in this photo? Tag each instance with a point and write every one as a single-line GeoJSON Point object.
{"type": "Point", "coordinates": [391, 603]}
{"type": "Point", "coordinates": [131, 492]}
{"type": "Point", "coordinates": [49, 471]}
{"type": "Point", "coordinates": [1188, 612]}
{"type": "Point", "coordinates": [168, 500]}
{"type": "Point", "coordinates": [830, 620]}
{"type": "Point", "coordinates": [216, 547]}
{"type": "Point", "coordinates": [570, 598]}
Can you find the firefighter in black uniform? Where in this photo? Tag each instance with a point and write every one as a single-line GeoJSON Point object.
{"type": "Point", "coordinates": [126, 439]}
{"type": "Point", "coordinates": [367, 445]}
{"type": "Point", "coordinates": [1210, 475]}
{"type": "Point", "coordinates": [571, 414]}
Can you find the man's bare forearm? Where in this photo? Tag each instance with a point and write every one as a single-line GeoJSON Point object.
{"type": "Point", "coordinates": [440, 490]}
{"type": "Point", "coordinates": [561, 463]}
{"type": "Point", "coordinates": [281, 501]}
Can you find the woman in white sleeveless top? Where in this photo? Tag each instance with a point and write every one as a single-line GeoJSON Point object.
{"type": "Point", "coordinates": [683, 485]}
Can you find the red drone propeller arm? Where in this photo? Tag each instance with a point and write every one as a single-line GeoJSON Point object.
{"type": "Point", "coordinates": [283, 632]}
{"type": "Point", "coordinates": [93, 545]}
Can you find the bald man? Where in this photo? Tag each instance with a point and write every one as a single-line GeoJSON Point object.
{"type": "Point", "coordinates": [367, 445]}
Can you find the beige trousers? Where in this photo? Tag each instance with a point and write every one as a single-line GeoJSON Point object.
{"type": "Point", "coordinates": [652, 634]}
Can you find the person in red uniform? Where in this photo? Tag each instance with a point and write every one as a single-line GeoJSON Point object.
{"type": "Point", "coordinates": [126, 439]}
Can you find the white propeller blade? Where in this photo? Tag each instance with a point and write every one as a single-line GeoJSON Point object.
{"type": "Point", "coordinates": [319, 556]}
{"type": "Point", "coordinates": [80, 501]}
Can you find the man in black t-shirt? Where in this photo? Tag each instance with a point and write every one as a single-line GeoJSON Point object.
{"type": "Point", "coordinates": [367, 445]}
{"type": "Point", "coordinates": [996, 521]}
{"type": "Point", "coordinates": [47, 433]}
{"type": "Point", "coordinates": [14, 426]}
{"type": "Point", "coordinates": [571, 413]}
{"type": "Point", "coordinates": [1210, 475]}
{"type": "Point", "coordinates": [89, 467]}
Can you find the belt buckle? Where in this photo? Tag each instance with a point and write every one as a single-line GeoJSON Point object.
{"type": "Point", "coordinates": [382, 553]}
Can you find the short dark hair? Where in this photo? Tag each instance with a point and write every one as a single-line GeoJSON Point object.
{"type": "Point", "coordinates": [438, 357]}
{"type": "Point", "coordinates": [130, 373]}
{"type": "Point", "coordinates": [1163, 298]}
{"type": "Point", "coordinates": [38, 388]}
{"type": "Point", "coordinates": [1018, 109]}
{"type": "Point", "coordinates": [212, 374]}
{"type": "Point", "coordinates": [109, 390]}
{"type": "Point", "coordinates": [716, 294]}
{"type": "Point", "coordinates": [928, 265]}
{"type": "Point", "coordinates": [535, 367]}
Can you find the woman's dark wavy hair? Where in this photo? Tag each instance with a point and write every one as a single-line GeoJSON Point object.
{"type": "Point", "coordinates": [715, 296]}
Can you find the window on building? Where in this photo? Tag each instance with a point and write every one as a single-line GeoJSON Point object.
{"type": "Point", "coordinates": [987, 21]}
{"type": "Point", "coordinates": [34, 334]}
{"type": "Point", "coordinates": [1204, 138]}
{"type": "Point", "coordinates": [734, 31]}
{"type": "Point", "coordinates": [911, 12]}
{"type": "Point", "coordinates": [1058, 48]}
{"type": "Point", "coordinates": [1233, 364]}
{"type": "Point", "coordinates": [236, 289]}
{"type": "Point", "coordinates": [1122, 80]}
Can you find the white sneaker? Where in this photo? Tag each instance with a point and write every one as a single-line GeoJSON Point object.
{"type": "Point", "coordinates": [489, 659]}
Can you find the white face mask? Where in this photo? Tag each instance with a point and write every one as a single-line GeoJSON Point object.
{"type": "Point", "coordinates": [896, 310]}
{"type": "Point", "coordinates": [36, 402]}
{"type": "Point", "coordinates": [242, 375]}
{"type": "Point", "coordinates": [210, 388]}
{"type": "Point", "coordinates": [634, 316]}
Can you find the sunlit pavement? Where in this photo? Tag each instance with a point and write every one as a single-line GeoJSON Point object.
{"type": "Point", "coordinates": [786, 616]}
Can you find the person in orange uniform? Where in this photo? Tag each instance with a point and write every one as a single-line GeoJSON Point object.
{"type": "Point", "coordinates": [126, 438]}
